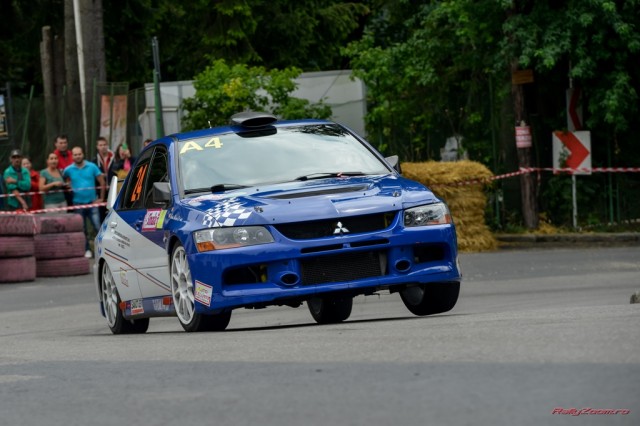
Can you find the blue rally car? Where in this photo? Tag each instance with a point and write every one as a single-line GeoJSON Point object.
{"type": "Point", "coordinates": [265, 212]}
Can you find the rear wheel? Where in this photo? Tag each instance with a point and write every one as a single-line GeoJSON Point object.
{"type": "Point", "coordinates": [118, 324]}
{"type": "Point", "coordinates": [182, 292]}
{"type": "Point", "coordinates": [429, 299]}
{"type": "Point", "coordinates": [330, 310]}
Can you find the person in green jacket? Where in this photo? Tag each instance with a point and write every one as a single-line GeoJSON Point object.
{"type": "Point", "coordinates": [17, 180]}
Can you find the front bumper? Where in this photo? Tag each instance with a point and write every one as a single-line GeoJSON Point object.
{"type": "Point", "coordinates": [290, 270]}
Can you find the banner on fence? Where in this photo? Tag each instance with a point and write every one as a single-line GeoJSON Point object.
{"type": "Point", "coordinates": [3, 119]}
{"type": "Point", "coordinates": [113, 119]}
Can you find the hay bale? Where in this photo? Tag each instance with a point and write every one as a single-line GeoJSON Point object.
{"type": "Point", "coordinates": [467, 202]}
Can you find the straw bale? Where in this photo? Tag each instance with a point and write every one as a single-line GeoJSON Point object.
{"type": "Point", "coordinates": [467, 202]}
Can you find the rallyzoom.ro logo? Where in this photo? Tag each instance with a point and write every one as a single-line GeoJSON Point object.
{"type": "Point", "coordinates": [588, 411]}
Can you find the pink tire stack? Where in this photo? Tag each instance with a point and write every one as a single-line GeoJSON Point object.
{"type": "Point", "coordinates": [17, 248]}
{"type": "Point", "coordinates": [59, 245]}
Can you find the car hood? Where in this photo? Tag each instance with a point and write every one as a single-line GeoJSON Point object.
{"type": "Point", "coordinates": [305, 201]}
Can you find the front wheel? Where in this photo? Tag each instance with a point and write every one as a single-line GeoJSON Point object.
{"type": "Point", "coordinates": [429, 299]}
{"type": "Point", "coordinates": [184, 299]}
{"type": "Point", "coordinates": [117, 323]}
{"type": "Point", "coordinates": [330, 310]}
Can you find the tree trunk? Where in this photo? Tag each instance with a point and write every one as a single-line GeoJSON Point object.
{"type": "Point", "coordinates": [59, 77]}
{"type": "Point", "coordinates": [47, 61]}
{"type": "Point", "coordinates": [95, 62]}
{"type": "Point", "coordinates": [72, 124]}
{"type": "Point", "coordinates": [527, 186]}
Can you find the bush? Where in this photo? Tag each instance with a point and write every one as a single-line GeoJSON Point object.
{"type": "Point", "coordinates": [223, 90]}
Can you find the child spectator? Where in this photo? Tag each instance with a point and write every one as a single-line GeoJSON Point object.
{"type": "Point", "coordinates": [123, 161]}
{"type": "Point", "coordinates": [36, 199]}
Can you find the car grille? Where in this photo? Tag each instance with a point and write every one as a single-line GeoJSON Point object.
{"type": "Point", "coordinates": [327, 227]}
{"type": "Point", "coordinates": [343, 267]}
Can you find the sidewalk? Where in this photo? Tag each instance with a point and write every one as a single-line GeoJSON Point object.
{"type": "Point", "coordinates": [559, 240]}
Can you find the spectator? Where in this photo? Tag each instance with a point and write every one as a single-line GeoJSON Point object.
{"type": "Point", "coordinates": [104, 158]}
{"type": "Point", "coordinates": [3, 191]}
{"type": "Point", "coordinates": [123, 162]}
{"type": "Point", "coordinates": [82, 175]}
{"type": "Point", "coordinates": [146, 142]}
{"type": "Point", "coordinates": [51, 180]}
{"type": "Point", "coordinates": [17, 180]}
{"type": "Point", "coordinates": [36, 199]}
{"type": "Point", "coordinates": [65, 159]}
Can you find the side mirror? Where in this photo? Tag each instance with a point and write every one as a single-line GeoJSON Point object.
{"type": "Point", "coordinates": [394, 161]}
{"type": "Point", "coordinates": [161, 193]}
{"type": "Point", "coordinates": [113, 193]}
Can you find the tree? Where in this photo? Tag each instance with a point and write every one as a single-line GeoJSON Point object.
{"type": "Point", "coordinates": [307, 34]}
{"type": "Point", "coordinates": [426, 67]}
{"type": "Point", "coordinates": [223, 90]}
{"type": "Point", "coordinates": [429, 67]}
{"type": "Point", "coordinates": [20, 35]}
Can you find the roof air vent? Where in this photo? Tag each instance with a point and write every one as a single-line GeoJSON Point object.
{"type": "Point", "coordinates": [252, 119]}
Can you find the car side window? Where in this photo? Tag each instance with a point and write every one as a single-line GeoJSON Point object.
{"type": "Point", "coordinates": [158, 172]}
{"type": "Point", "coordinates": [133, 195]}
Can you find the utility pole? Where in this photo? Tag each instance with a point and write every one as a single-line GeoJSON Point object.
{"type": "Point", "coordinates": [156, 87]}
{"type": "Point", "coordinates": [81, 69]}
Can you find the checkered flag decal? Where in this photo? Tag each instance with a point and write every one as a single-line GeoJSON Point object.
{"type": "Point", "coordinates": [225, 214]}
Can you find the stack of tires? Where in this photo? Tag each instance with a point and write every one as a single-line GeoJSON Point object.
{"type": "Point", "coordinates": [17, 248]}
{"type": "Point", "coordinates": [59, 245]}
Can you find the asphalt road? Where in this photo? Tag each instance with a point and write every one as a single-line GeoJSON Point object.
{"type": "Point", "coordinates": [533, 331]}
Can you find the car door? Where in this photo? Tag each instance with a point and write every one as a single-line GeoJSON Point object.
{"type": "Point", "coordinates": [143, 248]}
{"type": "Point", "coordinates": [154, 276]}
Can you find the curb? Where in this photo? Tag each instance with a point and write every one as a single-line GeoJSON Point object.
{"type": "Point", "coordinates": [540, 240]}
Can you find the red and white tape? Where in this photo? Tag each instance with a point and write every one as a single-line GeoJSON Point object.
{"type": "Point", "coordinates": [527, 170]}
{"type": "Point", "coordinates": [584, 170]}
{"type": "Point", "coordinates": [54, 210]}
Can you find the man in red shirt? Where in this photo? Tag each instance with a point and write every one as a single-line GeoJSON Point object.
{"type": "Point", "coordinates": [64, 159]}
{"type": "Point", "coordinates": [62, 151]}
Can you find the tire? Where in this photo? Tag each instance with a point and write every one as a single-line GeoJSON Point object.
{"type": "Point", "coordinates": [18, 269]}
{"type": "Point", "coordinates": [59, 246]}
{"type": "Point", "coordinates": [18, 224]}
{"type": "Point", "coordinates": [330, 310]}
{"type": "Point", "coordinates": [16, 246]}
{"type": "Point", "coordinates": [62, 267]}
{"type": "Point", "coordinates": [182, 292]}
{"type": "Point", "coordinates": [58, 223]}
{"type": "Point", "coordinates": [429, 299]}
{"type": "Point", "coordinates": [110, 299]}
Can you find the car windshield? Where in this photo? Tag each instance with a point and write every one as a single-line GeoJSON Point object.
{"type": "Point", "coordinates": [235, 160]}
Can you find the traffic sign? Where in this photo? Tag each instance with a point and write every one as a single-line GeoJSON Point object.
{"type": "Point", "coordinates": [572, 150]}
{"type": "Point", "coordinates": [574, 110]}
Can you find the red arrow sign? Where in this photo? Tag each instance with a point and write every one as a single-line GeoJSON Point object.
{"type": "Point", "coordinates": [574, 114]}
{"type": "Point", "coordinates": [578, 152]}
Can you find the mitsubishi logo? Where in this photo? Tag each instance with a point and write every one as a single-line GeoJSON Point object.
{"type": "Point", "coordinates": [340, 229]}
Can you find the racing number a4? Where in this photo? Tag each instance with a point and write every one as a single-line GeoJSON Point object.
{"type": "Point", "coordinates": [137, 190]}
{"type": "Point", "coordinates": [211, 143]}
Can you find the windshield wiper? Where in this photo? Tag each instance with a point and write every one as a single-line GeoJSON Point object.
{"type": "Point", "coordinates": [218, 187]}
{"type": "Point", "coordinates": [221, 187]}
{"type": "Point", "coordinates": [328, 175]}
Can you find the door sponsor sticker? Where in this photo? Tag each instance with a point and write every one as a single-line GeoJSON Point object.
{"type": "Point", "coordinates": [203, 293]}
{"type": "Point", "coordinates": [151, 219]}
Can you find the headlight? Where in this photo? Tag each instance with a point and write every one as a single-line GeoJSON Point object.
{"type": "Point", "coordinates": [432, 214]}
{"type": "Point", "coordinates": [224, 238]}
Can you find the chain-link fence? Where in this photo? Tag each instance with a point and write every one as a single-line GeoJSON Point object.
{"type": "Point", "coordinates": [112, 113]}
